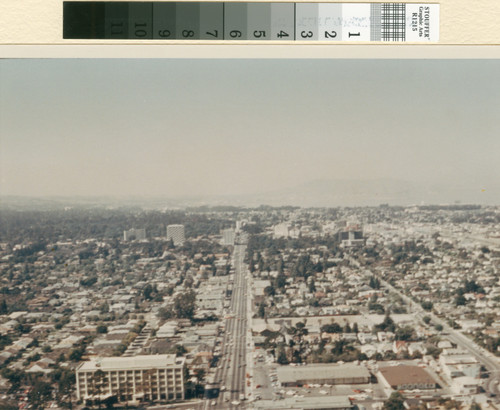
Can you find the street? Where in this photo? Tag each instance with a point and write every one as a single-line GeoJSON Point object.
{"type": "Point", "coordinates": [490, 362]}
{"type": "Point", "coordinates": [231, 371]}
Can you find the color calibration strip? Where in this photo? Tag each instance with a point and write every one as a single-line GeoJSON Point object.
{"type": "Point", "coordinates": [325, 22]}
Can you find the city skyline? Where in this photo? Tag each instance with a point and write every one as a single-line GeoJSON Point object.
{"type": "Point", "coordinates": [177, 128]}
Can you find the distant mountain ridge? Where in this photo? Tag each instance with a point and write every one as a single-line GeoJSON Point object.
{"type": "Point", "coordinates": [351, 192]}
{"type": "Point", "coordinates": [316, 193]}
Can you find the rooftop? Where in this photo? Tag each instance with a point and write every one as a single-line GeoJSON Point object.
{"type": "Point", "coordinates": [315, 372]}
{"type": "Point", "coordinates": [326, 402]}
{"type": "Point", "coordinates": [398, 375]}
{"type": "Point", "coordinates": [131, 363]}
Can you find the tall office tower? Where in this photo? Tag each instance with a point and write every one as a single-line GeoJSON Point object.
{"type": "Point", "coordinates": [176, 233]}
{"type": "Point", "coordinates": [138, 378]}
{"type": "Point", "coordinates": [228, 236]}
{"type": "Point", "coordinates": [351, 235]}
{"type": "Point", "coordinates": [133, 233]}
{"type": "Point", "coordinates": [239, 225]}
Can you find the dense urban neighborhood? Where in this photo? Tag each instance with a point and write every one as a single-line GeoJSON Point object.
{"type": "Point", "coordinates": [385, 307]}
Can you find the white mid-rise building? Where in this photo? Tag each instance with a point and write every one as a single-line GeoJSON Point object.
{"type": "Point", "coordinates": [138, 378]}
{"type": "Point", "coordinates": [131, 234]}
{"type": "Point", "coordinates": [176, 233]}
{"type": "Point", "coordinates": [282, 230]}
{"type": "Point", "coordinates": [228, 236]}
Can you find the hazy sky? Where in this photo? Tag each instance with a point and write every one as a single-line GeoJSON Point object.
{"type": "Point", "coordinates": [189, 127]}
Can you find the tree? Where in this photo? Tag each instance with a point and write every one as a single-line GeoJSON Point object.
{"type": "Point", "coordinates": [110, 401]}
{"type": "Point", "coordinates": [40, 394]}
{"type": "Point", "coordinates": [15, 378]}
{"type": "Point", "coordinates": [179, 350]}
{"type": "Point", "coordinates": [147, 291]}
{"type": "Point", "coordinates": [184, 304]}
{"type": "Point", "coordinates": [426, 319]}
{"type": "Point", "coordinates": [76, 354]}
{"type": "Point", "coordinates": [331, 328]}
{"type": "Point", "coordinates": [88, 282]}
{"type": "Point", "coordinates": [301, 328]}
{"type": "Point", "coordinates": [3, 307]}
{"type": "Point", "coordinates": [261, 312]}
{"type": "Point", "coordinates": [374, 282]}
{"type": "Point", "coordinates": [102, 329]}
{"type": "Point", "coordinates": [427, 305]}
{"type": "Point", "coordinates": [434, 351]}
{"type": "Point", "coordinates": [405, 333]}
{"type": "Point", "coordinates": [5, 340]}
{"type": "Point", "coordinates": [312, 286]}
{"type": "Point", "coordinates": [387, 325]}
{"type": "Point", "coordinates": [46, 349]}
{"type": "Point", "coordinates": [281, 358]}
{"type": "Point", "coordinates": [394, 402]}
{"type": "Point", "coordinates": [65, 382]}
{"type": "Point", "coordinates": [341, 346]}
{"type": "Point", "coordinates": [472, 287]}
{"type": "Point", "coordinates": [104, 307]}
{"type": "Point", "coordinates": [280, 281]}
{"type": "Point", "coordinates": [269, 290]}
{"type": "Point", "coordinates": [377, 307]}
{"type": "Point", "coordinates": [165, 313]}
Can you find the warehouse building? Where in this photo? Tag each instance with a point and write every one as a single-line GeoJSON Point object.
{"type": "Point", "coordinates": [305, 403]}
{"type": "Point", "coordinates": [138, 378]}
{"type": "Point", "coordinates": [406, 378]}
{"type": "Point", "coordinates": [290, 376]}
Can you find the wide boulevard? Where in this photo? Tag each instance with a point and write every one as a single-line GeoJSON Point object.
{"type": "Point", "coordinates": [231, 370]}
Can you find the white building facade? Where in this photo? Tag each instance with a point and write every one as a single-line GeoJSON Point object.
{"type": "Point", "coordinates": [228, 236]}
{"type": "Point", "coordinates": [176, 233]}
{"type": "Point", "coordinates": [134, 234]}
{"type": "Point", "coordinates": [138, 378]}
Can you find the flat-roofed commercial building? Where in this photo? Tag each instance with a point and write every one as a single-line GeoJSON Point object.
{"type": "Point", "coordinates": [290, 376]}
{"type": "Point", "coordinates": [305, 403]}
{"type": "Point", "coordinates": [407, 378]}
{"type": "Point", "coordinates": [456, 363]}
{"type": "Point", "coordinates": [145, 377]}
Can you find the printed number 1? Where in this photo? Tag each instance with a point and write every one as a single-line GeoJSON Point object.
{"type": "Point", "coordinates": [140, 32]}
